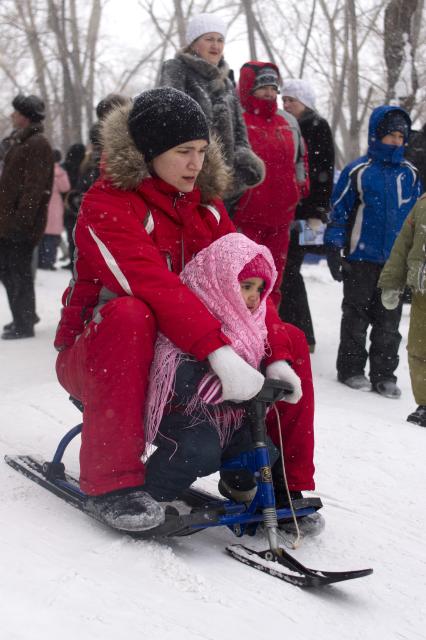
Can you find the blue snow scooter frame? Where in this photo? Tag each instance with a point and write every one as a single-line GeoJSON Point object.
{"type": "Point", "coordinates": [208, 510]}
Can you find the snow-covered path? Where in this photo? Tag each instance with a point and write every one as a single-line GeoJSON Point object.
{"type": "Point", "coordinates": [62, 574]}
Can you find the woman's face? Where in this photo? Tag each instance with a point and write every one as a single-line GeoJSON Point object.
{"type": "Point", "coordinates": [293, 106]}
{"type": "Point", "coordinates": [181, 165]}
{"type": "Point", "coordinates": [210, 47]}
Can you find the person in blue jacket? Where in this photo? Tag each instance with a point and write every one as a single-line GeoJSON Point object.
{"type": "Point", "coordinates": [371, 200]}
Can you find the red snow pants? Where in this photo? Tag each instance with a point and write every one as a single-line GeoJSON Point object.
{"type": "Point", "coordinates": [107, 369]}
{"type": "Point", "coordinates": [296, 421]}
{"type": "Point", "coordinates": [277, 239]}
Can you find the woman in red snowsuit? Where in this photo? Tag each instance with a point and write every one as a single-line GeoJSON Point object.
{"type": "Point", "coordinates": [265, 212]}
{"type": "Point", "coordinates": [155, 206]}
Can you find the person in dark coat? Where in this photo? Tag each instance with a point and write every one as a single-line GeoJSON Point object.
{"type": "Point", "coordinates": [25, 188]}
{"type": "Point", "coordinates": [299, 100]}
{"type": "Point", "coordinates": [73, 159]}
{"type": "Point", "coordinates": [416, 152]}
{"type": "Point", "coordinates": [201, 71]}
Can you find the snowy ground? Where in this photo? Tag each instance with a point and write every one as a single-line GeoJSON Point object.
{"type": "Point", "coordinates": [66, 576]}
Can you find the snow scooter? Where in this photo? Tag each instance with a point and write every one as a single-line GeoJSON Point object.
{"type": "Point", "coordinates": [208, 510]}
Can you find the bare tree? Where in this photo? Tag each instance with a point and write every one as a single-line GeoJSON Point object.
{"type": "Point", "coordinates": [63, 46]}
{"type": "Point", "coordinates": [401, 33]}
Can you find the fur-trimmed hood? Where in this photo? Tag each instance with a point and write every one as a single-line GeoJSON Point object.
{"type": "Point", "coordinates": [125, 166]}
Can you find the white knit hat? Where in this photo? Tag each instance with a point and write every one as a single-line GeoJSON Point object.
{"type": "Point", "coordinates": [204, 23]}
{"type": "Point", "coordinates": [301, 90]}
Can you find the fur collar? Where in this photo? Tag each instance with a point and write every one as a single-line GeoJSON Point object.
{"type": "Point", "coordinates": [23, 134]}
{"type": "Point", "coordinates": [209, 71]}
{"type": "Point", "coordinates": [125, 166]}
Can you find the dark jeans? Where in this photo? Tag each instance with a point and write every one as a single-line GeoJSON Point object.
{"type": "Point", "coordinates": [362, 307]}
{"type": "Point", "coordinates": [17, 277]}
{"type": "Point", "coordinates": [69, 223]}
{"type": "Point", "coordinates": [294, 307]}
{"type": "Point", "coordinates": [47, 251]}
{"type": "Point", "coordinates": [186, 453]}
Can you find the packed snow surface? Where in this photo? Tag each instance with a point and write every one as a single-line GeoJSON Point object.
{"type": "Point", "coordinates": [67, 576]}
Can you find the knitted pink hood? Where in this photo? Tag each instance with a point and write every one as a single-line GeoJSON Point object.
{"type": "Point", "coordinates": [213, 276]}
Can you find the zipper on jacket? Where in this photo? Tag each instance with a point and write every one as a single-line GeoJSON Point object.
{"type": "Point", "coordinates": [180, 194]}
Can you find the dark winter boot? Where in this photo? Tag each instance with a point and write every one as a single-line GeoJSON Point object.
{"type": "Point", "coordinates": [281, 497]}
{"type": "Point", "coordinates": [418, 416]}
{"type": "Point", "coordinates": [237, 485]}
{"type": "Point", "coordinates": [359, 382]}
{"type": "Point", "coordinates": [310, 525]}
{"type": "Point", "coordinates": [130, 509]}
{"type": "Point", "coordinates": [16, 334]}
{"type": "Point", "coordinates": [387, 389]}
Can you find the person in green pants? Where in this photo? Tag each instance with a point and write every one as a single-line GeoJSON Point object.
{"type": "Point", "coordinates": [407, 265]}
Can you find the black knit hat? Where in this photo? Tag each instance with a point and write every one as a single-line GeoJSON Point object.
{"type": "Point", "coordinates": [163, 118]}
{"type": "Point", "coordinates": [394, 120]}
{"type": "Point", "coordinates": [31, 107]}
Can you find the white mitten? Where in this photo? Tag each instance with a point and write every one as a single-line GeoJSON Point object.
{"type": "Point", "coordinates": [281, 370]}
{"type": "Point", "coordinates": [239, 380]}
{"type": "Point", "coordinates": [390, 298]}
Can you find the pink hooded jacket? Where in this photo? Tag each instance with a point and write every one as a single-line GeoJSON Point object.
{"type": "Point", "coordinates": [213, 276]}
{"type": "Point", "coordinates": [55, 211]}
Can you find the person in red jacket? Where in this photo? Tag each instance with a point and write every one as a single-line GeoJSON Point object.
{"type": "Point", "coordinates": [265, 212]}
{"type": "Point", "coordinates": [153, 208]}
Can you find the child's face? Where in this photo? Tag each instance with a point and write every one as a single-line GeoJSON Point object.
{"type": "Point", "coordinates": [395, 138]}
{"type": "Point", "coordinates": [251, 291]}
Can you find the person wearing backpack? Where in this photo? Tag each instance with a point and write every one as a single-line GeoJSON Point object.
{"type": "Point", "coordinates": [371, 200]}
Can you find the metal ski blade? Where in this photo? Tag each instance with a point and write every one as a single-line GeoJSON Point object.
{"type": "Point", "coordinates": [285, 567]}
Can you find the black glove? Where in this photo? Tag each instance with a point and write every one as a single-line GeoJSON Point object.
{"type": "Point", "coordinates": [336, 264]}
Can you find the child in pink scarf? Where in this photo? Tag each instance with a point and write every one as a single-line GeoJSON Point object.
{"type": "Point", "coordinates": [193, 429]}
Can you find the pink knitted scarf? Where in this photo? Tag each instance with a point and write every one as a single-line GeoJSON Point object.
{"type": "Point", "coordinates": [213, 276]}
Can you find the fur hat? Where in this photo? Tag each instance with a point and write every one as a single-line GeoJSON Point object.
{"type": "Point", "coordinates": [163, 118]}
{"type": "Point", "coordinates": [301, 90]}
{"type": "Point", "coordinates": [266, 77]}
{"type": "Point", "coordinates": [393, 121]}
{"type": "Point", "coordinates": [204, 23]}
{"type": "Point", "coordinates": [31, 107]}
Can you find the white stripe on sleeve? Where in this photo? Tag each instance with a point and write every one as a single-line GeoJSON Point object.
{"type": "Point", "coordinates": [111, 263]}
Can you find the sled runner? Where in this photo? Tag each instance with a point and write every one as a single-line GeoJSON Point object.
{"type": "Point", "coordinates": [208, 510]}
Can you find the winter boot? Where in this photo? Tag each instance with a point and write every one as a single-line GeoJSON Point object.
{"type": "Point", "coordinates": [418, 416]}
{"type": "Point", "coordinates": [130, 509]}
{"type": "Point", "coordinates": [237, 485]}
{"type": "Point", "coordinates": [281, 497]}
{"type": "Point", "coordinates": [387, 389]}
{"type": "Point", "coordinates": [359, 382]}
{"type": "Point", "coordinates": [310, 525]}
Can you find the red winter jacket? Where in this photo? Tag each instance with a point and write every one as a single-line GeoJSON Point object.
{"type": "Point", "coordinates": [271, 203]}
{"type": "Point", "coordinates": [136, 241]}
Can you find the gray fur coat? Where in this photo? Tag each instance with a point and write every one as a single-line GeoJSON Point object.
{"type": "Point", "coordinates": [210, 86]}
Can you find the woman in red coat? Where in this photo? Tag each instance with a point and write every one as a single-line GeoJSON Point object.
{"type": "Point", "coordinates": [265, 212]}
{"type": "Point", "coordinates": [153, 208]}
